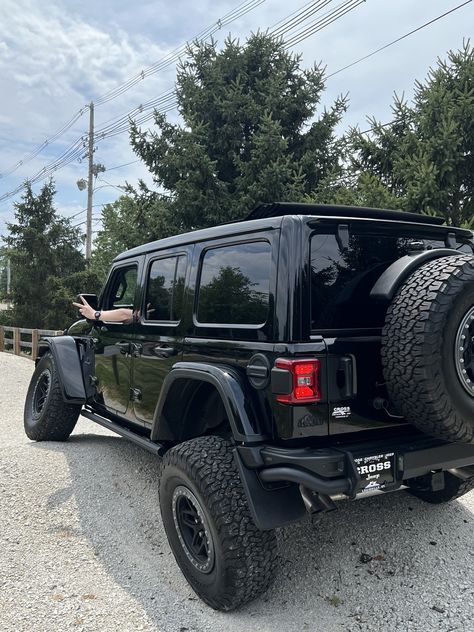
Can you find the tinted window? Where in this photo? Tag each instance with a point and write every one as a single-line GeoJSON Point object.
{"type": "Point", "coordinates": [165, 289]}
{"type": "Point", "coordinates": [341, 279]}
{"type": "Point", "coordinates": [466, 248]}
{"type": "Point", "coordinates": [235, 284]}
{"type": "Point", "coordinates": [123, 288]}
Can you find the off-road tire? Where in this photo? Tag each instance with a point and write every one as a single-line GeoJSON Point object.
{"type": "Point", "coordinates": [418, 348]}
{"type": "Point", "coordinates": [56, 419]}
{"type": "Point", "coordinates": [243, 556]}
{"type": "Point", "coordinates": [454, 488]}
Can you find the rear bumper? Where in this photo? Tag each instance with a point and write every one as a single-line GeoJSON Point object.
{"type": "Point", "coordinates": [273, 475]}
{"type": "Point", "coordinates": [334, 470]}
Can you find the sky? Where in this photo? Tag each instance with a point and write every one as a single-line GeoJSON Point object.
{"type": "Point", "coordinates": [57, 56]}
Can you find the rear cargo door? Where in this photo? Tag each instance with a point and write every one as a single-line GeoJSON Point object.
{"type": "Point", "coordinates": [346, 258]}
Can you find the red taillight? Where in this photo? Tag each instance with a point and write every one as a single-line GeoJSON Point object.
{"type": "Point", "coordinates": [306, 381]}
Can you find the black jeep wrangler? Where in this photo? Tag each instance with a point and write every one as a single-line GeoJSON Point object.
{"type": "Point", "coordinates": [307, 354]}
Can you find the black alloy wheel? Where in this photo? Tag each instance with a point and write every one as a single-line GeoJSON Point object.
{"type": "Point", "coordinates": [226, 559]}
{"type": "Point", "coordinates": [41, 393]}
{"type": "Point", "coordinates": [193, 529]}
{"type": "Point", "coordinates": [464, 352]}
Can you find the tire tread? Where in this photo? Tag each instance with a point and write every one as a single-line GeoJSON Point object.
{"type": "Point", "coordinates": [249, 554]}
{"type": "Point", "coordinates": [411, 341]}
{"type": "Point", "coordinates": [60, 418]}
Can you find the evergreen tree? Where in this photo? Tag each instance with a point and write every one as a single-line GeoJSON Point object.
{"type": "Point", "coordinates": [133, 219]}
{"type": "Point", "coordinates": [423, 160]}
{"type": "Point", "coordinates": [44, 254]}
{"type": "Point", "coordinates": [249, 135]}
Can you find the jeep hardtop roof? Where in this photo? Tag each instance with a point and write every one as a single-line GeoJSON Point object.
{"type": "Point", "coordinates": [277, 209]}
{"type": "Point", "coordinates": [267, 216]}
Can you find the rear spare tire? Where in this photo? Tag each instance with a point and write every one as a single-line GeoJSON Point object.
{"type": "Point", "coordinates": [428, 348]}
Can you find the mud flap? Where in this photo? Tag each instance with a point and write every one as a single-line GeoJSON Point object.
{"type": "Point", "coordinates": [270, 508]}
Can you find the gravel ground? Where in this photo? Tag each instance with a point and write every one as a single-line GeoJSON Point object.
{"type": "Point", "coordinates": [82, 548]}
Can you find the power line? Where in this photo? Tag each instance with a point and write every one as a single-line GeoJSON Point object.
{"type": "Point", "coordinates": [167, 101]}
{"type": "Point", "coordinates": [399, 39]}
{"type": "Point", "coordinates": [323, 22]}
{"type": "Point", "coordinates": [126, 164]}
{"type": "Point", "coordinates": [306, 12]}
{"type": "Point", "coordinates": [45, 144]}
{"type": "Point", "coordinates": [83, 210]}
{"type": "Point", "coordinates": [238, 12]}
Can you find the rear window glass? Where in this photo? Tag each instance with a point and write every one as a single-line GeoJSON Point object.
{"type": "Point", "coordinates": [235, 284]}
{"type": "Point", "coordinates": [165, 289]}
{"type": "Point", "coordinates": [342, 277]}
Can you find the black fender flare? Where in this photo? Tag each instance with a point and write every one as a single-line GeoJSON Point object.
{"type": "Point", "coordinates": [66, 357]}
{"type": "Point", "coordinates": [231, 390]}
{"type": "Point", "coordinates": [389, 281]}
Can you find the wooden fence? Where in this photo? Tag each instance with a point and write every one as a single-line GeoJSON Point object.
{"type": "Point", "coordinates": [14, 340]}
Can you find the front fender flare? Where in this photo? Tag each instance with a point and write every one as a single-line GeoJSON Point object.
{"type": "Point", "coordinates": [66, 357]}
{"type": "Point", "coordinates": [230, 388]}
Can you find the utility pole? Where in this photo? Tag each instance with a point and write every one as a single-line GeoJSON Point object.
{"type": "Point", "coordinates": [9, 276]}
{"type": "Point", "coordinates": [90, 183]}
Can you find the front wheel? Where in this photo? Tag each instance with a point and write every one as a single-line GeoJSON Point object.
{"type": "Point", "coordinates": [47, 416]}
{"type": "Point", "coordinates": [225, 558]}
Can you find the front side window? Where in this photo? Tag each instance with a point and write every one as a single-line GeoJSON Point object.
{"type": "Point", "coordinates": [124, 285]}
{"type": "Point", "coordinates": [165, 289]}
{"type": "Point", "coordinates": [234, 284]}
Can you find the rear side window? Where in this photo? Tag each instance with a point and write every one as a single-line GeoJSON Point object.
{"type": "Point", "coordinates": [234, 284]}
{"type": "Point", "coordinates": [165, 289]}
{"type": "Point", "coordinates": [342, 277]}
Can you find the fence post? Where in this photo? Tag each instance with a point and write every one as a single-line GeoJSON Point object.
{"type": "Point", "coordinates": [16, 341]}
{"type": "Point", "coordinates": [2, 339]}
{"type": "Point", "coordinates": [34, 344]}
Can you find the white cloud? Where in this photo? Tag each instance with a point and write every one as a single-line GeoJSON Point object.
{"type": "Point", "coordinates": [57, 56]}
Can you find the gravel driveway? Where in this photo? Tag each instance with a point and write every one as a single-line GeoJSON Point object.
{"type": "Point", "coordinates": [82, 548]}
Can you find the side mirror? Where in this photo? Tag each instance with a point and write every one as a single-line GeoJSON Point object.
{"type": "Point", "coordinates": [91, 299]}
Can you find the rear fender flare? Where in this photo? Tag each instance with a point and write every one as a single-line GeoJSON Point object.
{"type": "Point", "coordinates": [389, 281]}
{"type": "Point", "coordinates": [66, 357]}
{"type": "Point", "coordinates": [228, 384]}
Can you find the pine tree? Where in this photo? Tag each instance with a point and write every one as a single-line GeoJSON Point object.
{"type": "Point", "coordinates": [423, 160]}
{"type": "Point", "coordinates": [44, 254]}
{"type": "Point", "coordinates": [250, 133]}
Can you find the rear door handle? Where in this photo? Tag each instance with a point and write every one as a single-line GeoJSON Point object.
{"type": "Point", "coordinates": [123, 346]}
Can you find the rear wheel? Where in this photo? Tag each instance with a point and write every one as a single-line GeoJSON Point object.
{"type": "Point", "coordinates": [47, 417]}
{"type": "Point", "coordinates": [454, 487]}
{"type": "Point", "coordinates": [222, 554]}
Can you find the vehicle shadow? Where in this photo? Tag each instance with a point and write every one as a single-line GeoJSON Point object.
{"type": "Point", "coordinates": [346, 570]}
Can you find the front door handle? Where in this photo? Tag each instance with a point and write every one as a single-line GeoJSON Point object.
{"type": "Point", "coordinates": [137, 349]}
{"type": "Point", "coordinates": [123, 346]}
{"type": "Point", "coordinates": [164, 351]}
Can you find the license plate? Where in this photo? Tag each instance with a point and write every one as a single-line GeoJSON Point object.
{"type": "Point", "coordinates": [376, 471]}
